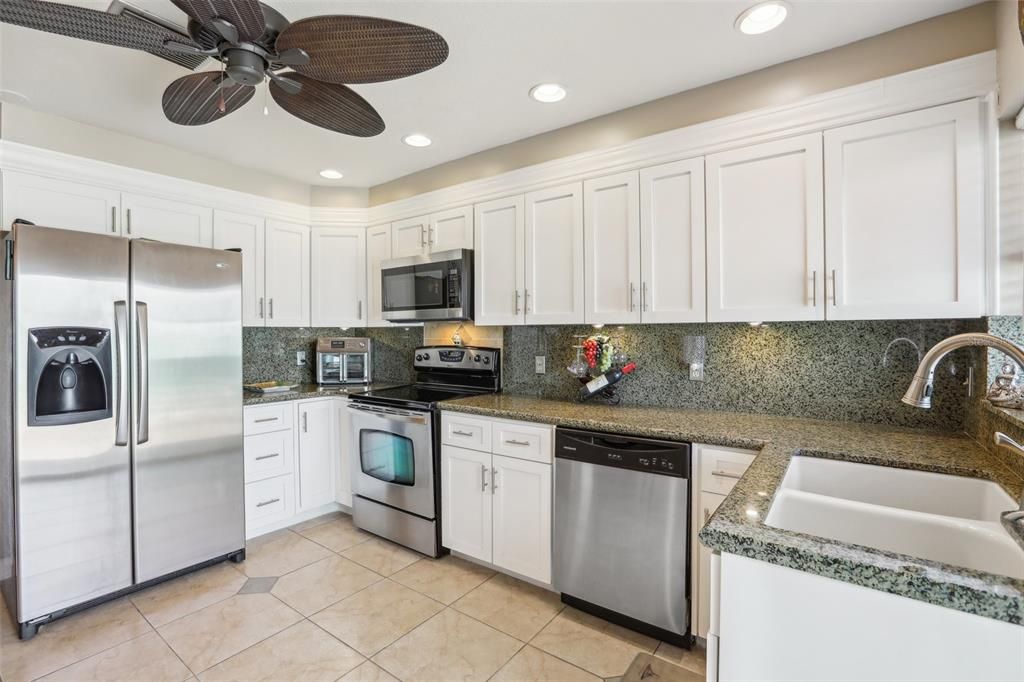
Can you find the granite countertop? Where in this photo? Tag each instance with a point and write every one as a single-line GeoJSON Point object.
{"type": "Point", "coordinates": [738, 526]}
{"type": "Point", "coordinates": [306, 391]}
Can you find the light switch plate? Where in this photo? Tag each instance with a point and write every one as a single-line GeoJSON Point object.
{"type": "Point", "coordinates": [300, 358]}
{"type": "Point", "coordinates": [696, 372]}
{"type": "Point", "coordinates": [540, 363]}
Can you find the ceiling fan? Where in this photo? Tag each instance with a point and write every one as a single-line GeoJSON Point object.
{"type": "Point", "coordinates": [307, 62]}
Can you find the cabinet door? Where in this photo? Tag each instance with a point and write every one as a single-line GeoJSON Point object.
{"type": "Point", "coordinates": [60, 203]}
{"type": "Point", "coordinates": [709, 503]}
{"type": "Point", "coordinates": [378, 248]}
{"type": "Point", "coordinates": [611, 212]}
{"type": "Point", "coordinates": [167, 221]}
{"type": "Point", "coordinates": [452, 229]}
{"type": "Point", "coordinates": [245, 232]}
{"type": "Point", "coordinates": [343, 446]}
{"type": "Point", "coordinates": [765, 232]}
{"type": "Point", "coordinates": [499, 268]}
{"type": "Point", "coordinates": [522, 517]}
{"type": "Point", "coordinates": [904, 216]}
{"type": "Point", "coordinates": [316, 453]}
{"type": "Point", "coordinates": [553, 292]}
{"type": "Point", "coordinates": [287, 277]}
{"type": "Point", "coordinates": [409, 236]}
{"type": "Point", "coordinates": [672, 242]}
{"type": "Point", "coordinates": [338, 283]}
{"type": "Point", "coordinates": [466, 502]}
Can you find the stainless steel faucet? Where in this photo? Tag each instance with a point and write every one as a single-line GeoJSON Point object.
{"type": "Point", "coordinates": [1002, 440]}
{"type": "Point", "coordinates": [919, 393]}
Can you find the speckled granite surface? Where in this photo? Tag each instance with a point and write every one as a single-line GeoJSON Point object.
{"type": "Point", "coordinates": [306, 391]}
{"type": "Point", "coordinates": [738, 527]}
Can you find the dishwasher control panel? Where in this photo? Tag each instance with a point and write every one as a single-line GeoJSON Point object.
{"type": "Point", "coordinates": [666, 458]}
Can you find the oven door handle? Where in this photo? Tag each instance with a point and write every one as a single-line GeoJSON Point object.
{"type": "Point", "coordinates": [393, 415]}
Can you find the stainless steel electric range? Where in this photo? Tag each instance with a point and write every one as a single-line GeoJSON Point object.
{"type": "Point", "coordinates": [396, 452]}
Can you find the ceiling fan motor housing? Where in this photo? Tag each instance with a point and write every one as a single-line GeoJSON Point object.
{"type": "Point", "coordinates": [244, 66]}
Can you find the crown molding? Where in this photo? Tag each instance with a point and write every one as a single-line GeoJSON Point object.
{"type": "Point", "coordinates": [959, 79]}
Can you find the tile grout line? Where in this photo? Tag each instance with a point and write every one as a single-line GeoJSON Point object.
{"type": "Point", "coordinates": [95, 653]}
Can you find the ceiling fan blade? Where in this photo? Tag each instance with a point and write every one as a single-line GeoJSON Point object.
{"type": "Point", "coordinates": [331, 106]}
{"type": "Point", "coordinates": [120, 30]}
{"type": "Point", "coordinates": [290, 86]}
{"type": "Point", "coordinates": [195, 99]}
{"type": "Point", "coordinates": [354, 49]}
{"type": "Point", "coordinates": [244, 15]}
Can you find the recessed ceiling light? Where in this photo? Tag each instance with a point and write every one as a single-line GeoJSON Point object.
{"type": "Point", "coordinates": [12, 97]}
{"type": "Point", "coordinates": [331, 174]}
{"type": "Point", "coordinates": [417, 140]}
{"type": "Point", "coordinates": [548, 92]}
{"type": "Point", "coordinates": [762, 17]}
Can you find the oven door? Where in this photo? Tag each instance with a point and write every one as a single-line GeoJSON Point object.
{"type": "Point", "coordinates": [393, 457]}
{"type": "Point", "coordinates": [357, 367]}
{"type": "Point", "coordinates": [328, 368]}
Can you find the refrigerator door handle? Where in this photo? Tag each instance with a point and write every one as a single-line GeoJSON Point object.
{"type": "Point", "coordinates": [121, 349]}
{"type": "Point", "coordinates": [142, 328]}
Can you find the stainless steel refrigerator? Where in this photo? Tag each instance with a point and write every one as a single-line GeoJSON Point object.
{"type": "Point", "coordinates": [120, 416]}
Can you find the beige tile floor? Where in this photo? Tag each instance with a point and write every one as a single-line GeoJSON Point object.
{"type": "Point", "coordinates": [326, 601]}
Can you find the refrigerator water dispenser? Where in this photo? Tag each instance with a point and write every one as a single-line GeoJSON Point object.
{"type": "Point", "coordinates": [69, 375]}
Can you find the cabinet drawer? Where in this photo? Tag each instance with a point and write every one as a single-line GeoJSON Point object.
{"type": "Point", "coordinates": [720, 468]}
{"type": "Point", "coordinates": [268, 455]}
{"type": "Point", "coordinates": [466, 432]}
{"type": "Point", "coordinates": [525, 441]}
{"type": "Point", "coordinates": [269, 501]}
{"type": "Point", "coordinates": [267, 418]}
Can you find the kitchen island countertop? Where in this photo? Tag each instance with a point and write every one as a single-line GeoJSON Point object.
{"type": "Point", "coordinates": [738, 526]}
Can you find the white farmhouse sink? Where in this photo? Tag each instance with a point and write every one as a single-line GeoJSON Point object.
{"type": "Point", "coordinates": [951, 519]}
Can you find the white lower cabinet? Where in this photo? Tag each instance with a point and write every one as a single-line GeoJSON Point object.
{"type": "Point", "coordinates": [497, 508]}
{"type": "Point", "coordinates": [316, 454]}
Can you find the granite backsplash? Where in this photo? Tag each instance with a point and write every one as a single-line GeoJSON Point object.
{"type": "Point", "coordinates": [268, 353]}
{"type": "Point", "coordinates": [824, 370]}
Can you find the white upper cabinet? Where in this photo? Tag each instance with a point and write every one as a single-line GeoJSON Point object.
{"type": "Point", "coordinates": [904, 221]}
{"type": "Point", "coordinates": [672, 242]}
{"type": "Point", "coordinates": [409, 236]}
{"type": "Point", "coordinates": [499, 268]}
{"type": "Point", "coordinates": [60, 203]}
{"type": "Point", "coordinates": [378, 249]}
{"type": "Point", "coordinates": [611, 212]}
{"type": "Point", "coordinates": [245, 232]}
{"type": "Point", "coordinates": [553, 292]}
{"type": "Point", "coordinates": [451, 229]}
{"type": "Point", "coordinates": [167, 221]}
{"type": "Point", "coordinates": [338, 267]}
{"type": "Point", "coordinates": [287, 278]}
{"type": "Point", "coordinates": [765, 251]}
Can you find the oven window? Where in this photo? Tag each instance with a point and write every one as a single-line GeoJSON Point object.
{"type": "Point", "coordinates": [355, 367]}
{"type": "Point", "coordinates": [387, 457]}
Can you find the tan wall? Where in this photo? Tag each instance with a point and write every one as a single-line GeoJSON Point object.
{"type": "Point", "coordinates": [950, 36]}
{"type": "Point", "coordinates": [20, 124]}
{"type": "Point", "coordinates": [339, 197]}
{"type": "Point", "coordinates": [1011, 59]}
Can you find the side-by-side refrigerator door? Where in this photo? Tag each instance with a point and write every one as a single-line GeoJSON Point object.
{"type": "Point", "coordinates": [72, 453]}
{"type": "Point", "coordinates": [187, 367]}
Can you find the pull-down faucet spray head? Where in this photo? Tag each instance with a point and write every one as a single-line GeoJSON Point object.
{"type": "Point", "coordinates": [919, 393]}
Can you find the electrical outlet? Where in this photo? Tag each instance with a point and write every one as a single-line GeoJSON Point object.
{"type": "Point", "coordinates": [540, 363]}
{"type": "Point", "coordinates": [696, 372]}
{"type": "Point", "coordinates": [300, 358]}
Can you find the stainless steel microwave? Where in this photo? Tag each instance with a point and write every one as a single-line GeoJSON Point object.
{"type": "Point", "coordinates": [438, 286]}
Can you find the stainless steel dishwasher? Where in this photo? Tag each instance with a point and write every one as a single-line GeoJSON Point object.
{"type": "Point", "coordinates": [622, 519]}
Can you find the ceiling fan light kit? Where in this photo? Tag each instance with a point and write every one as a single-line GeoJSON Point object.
{"type": "Point", "coordinates": [308, 63]}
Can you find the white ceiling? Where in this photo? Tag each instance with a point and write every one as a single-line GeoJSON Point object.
{"type": "Point", "coordinates": [609, 54]}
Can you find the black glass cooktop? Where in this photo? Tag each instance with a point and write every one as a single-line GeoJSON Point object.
{"type": "Point", "coordinates": [415, 395]}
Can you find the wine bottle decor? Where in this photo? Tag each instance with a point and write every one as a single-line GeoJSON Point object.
{"type": "Point", "coordinates": [599, 366]}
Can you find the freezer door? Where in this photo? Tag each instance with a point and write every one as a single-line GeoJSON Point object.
{"type": "Point", "coordinates": [187, 405]}
{"type": "Point", "coordinates": [72, 475]}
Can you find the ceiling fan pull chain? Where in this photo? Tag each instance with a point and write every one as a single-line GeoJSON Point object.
{"type": "Point", "coordinates": [266, 99]}
{"type": "Point", "coordinates": [221, 105]}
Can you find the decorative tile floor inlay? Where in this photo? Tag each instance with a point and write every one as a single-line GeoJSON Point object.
{"type": "Point", "coordinates": [324, 601]}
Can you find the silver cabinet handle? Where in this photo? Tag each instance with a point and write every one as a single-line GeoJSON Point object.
{"type": "Point", "coordinates": [121, 351]}
{"type": "Point", "coordinates": [359, 310]}
{"type": "Point", "coordinates": [726, 474]}
{"type": "Point", "coordinates": [270, 308]}
{"type": "Point", "coordinates": [494, 480]}
{"type": "Point", "coordinates": [643, 296]}
{"type": "Point", "coordinates": [272, 456]}
{"type": "Point", "coordinates": [261, 307]}
{"type": "Point", "coordinates": [423, 236]}
{"type": "Point", "coordinates": [142, 329]}
{"type": "Point", "coordinates": [305, 422]}
{"type": "Point", "coordinates": [265, 420]}
{"type": "Point", "coordinates": [835, 292]}
{"type": "Point", "coordinates": [128, 213]}
{"type": "Point", "coordinates": [632, 297]}
{"type": "Point", "coordinates": [526, 301]}
{"type": "Point", "coordinates": [814, 288]}
{"type": "Point", "coordinates": [430, 236]}
{"type": "Point", "coordinates": [517, 301]}
{"type": "Point", "coordinates": [113, 219]}
{"type": "Point", "coordinates": [270, 501]}
{"type": "Point", "coordinates": [483, 477]}
{"type": "Point", "coordinates": [515, 442]}
{"type": "Point", "coordinates": [456, 432]}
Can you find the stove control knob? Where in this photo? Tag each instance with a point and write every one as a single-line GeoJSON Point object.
{"type": "Point", "coordinates": [418, 357]}
{"type": "Point", "coordinates": [476, 358]}
{"type": "Point", "coordinates": [426, 356]}
{"type": "Point", "coordinates": [487, 360]}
